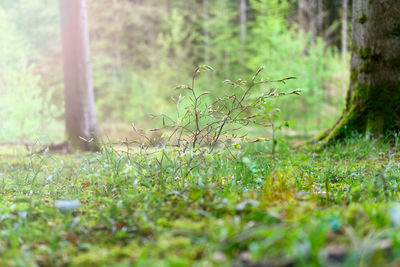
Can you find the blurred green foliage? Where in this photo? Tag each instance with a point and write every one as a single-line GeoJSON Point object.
{"type": "Point", "coordinates": [25, 112]}
{"type": "Point", "coordinates": [337, 206]}
{"type": "Point", "coordinates": [284, 50]}
{"type": "Point", "coordinates": [142, 49]}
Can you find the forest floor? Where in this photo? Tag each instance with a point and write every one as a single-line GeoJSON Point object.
{"type": "Point", "coordinates": [234, 207]}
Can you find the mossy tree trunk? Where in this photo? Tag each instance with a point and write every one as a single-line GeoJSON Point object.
{"type": "Point", "coordinates": [80, 116]}
{"type": "Point", "coordinates": [373, 99]}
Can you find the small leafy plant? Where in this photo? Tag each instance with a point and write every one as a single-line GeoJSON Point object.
{"type": "Point", "coordinates": [207, 124]}
{"type": "Point", "coordinates": [269, 112]}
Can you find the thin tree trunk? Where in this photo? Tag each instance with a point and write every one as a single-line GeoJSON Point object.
{"type": "Point", "coordinates": [320, 18]}
{"type": "Point", "coordinates": [80, 113]}
{"type": "Point", "coordinates": [344, 30]}
{"type": "Point", "coordinates": [206, 32]}
{"type": "Point", "coordinates": [117, 41]}
{"type": "Point", "coordinates": [243, 22]}
{"type": "Point", "coordinates": [301, 15]}
{"type": "Point", "coordinates": [243, 29]}
{"type": "Point", "coordinates": [312, 12]}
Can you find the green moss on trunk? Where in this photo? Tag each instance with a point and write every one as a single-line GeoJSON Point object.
{"type": "Point", "coordinates": [352, 120]}
{"type": "Point", "coordinates": [371, 109]}
{"type": "Point", "coordinates": [373, 99]}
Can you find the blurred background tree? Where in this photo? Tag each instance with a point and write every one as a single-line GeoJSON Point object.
{"type": "Point", "coordinates": [142, 49]}
{"type": "Point", "coordinates": [80, 115]}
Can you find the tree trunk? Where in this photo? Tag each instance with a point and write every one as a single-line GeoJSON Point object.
{"type": "Point", "coordinates": [206, 33]}
{"type": "Point", "coordinates": [300, 14]}
{"type": "Point", "coordinates": [243, 22]}
{"type": "Point", "coordinates": [80, 114]}
{"type": "Point", "coordinates": [243, 29]}
{"type": "Point", "coordinates": [320, 17]}
{"type": "Point", "coordinates": [313, 18]}
{"type": "Point", "coordinates": [373, 99]}
{"type": "Point", "coordinates": [344, 30]}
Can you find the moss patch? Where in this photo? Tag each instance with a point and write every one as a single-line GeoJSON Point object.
{"type": "Point", "coordinates": [361, 94]}
{"type": "Point", "coordinates": [366, 68]}
{"type": "Point", "coordinates": [354, 48]}
{"type": "Point", "coordinates": [362, 19]}
{"type": "Point", "coordinates": [352, 121]}
{"type": "Point", "coordinates": [365, 53]}
{"type": "Point", "coordinates": [354, 76]}
{"type": "Point", "coordinates": [370, 108]}
{"type": "Point", "coordinates": [394, 63]}
{"type": "Point", "coordinates": [395, 32]}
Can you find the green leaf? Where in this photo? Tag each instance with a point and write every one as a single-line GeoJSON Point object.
{"type": "Point", "coordinates": [183, 86]}
{"type": "Point", "coordinates": [236, 146]}
{"type": "Point", "coordinates": [202, 68]}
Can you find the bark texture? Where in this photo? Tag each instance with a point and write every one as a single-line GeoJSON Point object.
{"type": "Point", "coordinates": [79, 97]}
{"type": "Point", "coordinates": [373, 99]}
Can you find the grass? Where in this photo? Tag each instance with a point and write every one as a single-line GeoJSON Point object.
{"type": "Point", "coordinates": [236, 207]}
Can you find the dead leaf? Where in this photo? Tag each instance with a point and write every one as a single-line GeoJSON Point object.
{"type": "Point", "coordinates": [72, 238]}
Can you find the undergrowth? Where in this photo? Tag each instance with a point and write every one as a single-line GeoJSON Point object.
{"type": "Point", "coordinates": [237, 208]}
